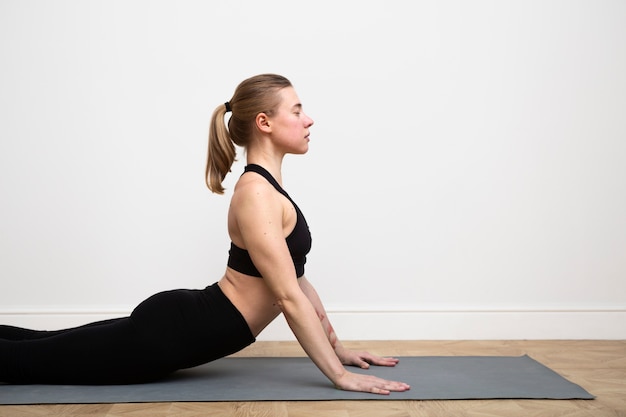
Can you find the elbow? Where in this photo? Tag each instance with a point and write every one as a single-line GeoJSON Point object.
{"type": "Point", "coordinates": [284, 303]}
{"type": "Point", "coordinates": [290, 304]}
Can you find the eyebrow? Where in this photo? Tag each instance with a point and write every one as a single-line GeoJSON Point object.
{"type": "Point", "coordinates": [297, 106]}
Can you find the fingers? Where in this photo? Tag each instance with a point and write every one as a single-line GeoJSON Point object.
{"type": "Point", "coordinates": [385, 361]}
{"type": "Point", "coordinates": [379, 361]}
{"type": "Point", "coordinates": [386, 387]}
{"type": "Point", "coordinates": [380, 391]}
{"type": "Point", "coordinates": [372, 384]}
{"type": "Point", "coordinates": [395, 386]}
{"type": "Point", "coordinates": [364, 359]}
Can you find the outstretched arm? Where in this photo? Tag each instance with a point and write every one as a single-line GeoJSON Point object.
{"type": "Point", "coordinates": [259, 217]}
{"type": "Point", "coordinates": [346, 356]}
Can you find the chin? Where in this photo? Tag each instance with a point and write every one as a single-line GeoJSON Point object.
{"type": "Point", "coordinates": [302, 150]}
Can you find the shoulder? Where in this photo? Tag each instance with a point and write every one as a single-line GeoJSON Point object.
{"type": "Point", "coordinates": [256, 218]}
{"type": "Point", "coordinates": [253, 192]}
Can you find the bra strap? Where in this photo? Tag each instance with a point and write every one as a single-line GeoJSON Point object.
{"type": "Point", "coordinates": [265, 174]}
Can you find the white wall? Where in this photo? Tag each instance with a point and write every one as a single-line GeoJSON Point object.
{"type": "Point", "coordinates": [466, 178]}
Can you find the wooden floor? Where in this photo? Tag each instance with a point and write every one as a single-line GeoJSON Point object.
{"type": "Point", "coordinates": [598, 366]}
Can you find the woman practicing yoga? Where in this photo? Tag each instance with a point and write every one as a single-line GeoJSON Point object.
{"type": "Point", "coordinates": [265, 275]}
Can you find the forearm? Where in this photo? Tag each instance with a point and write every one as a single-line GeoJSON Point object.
{"type": "Point", "coordinates": [320, 311]}
{"type": "Point", "coordinates": [304, 323]}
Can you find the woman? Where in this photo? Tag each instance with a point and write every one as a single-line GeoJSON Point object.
{"type": "Point", "coordinates": [265, 275]}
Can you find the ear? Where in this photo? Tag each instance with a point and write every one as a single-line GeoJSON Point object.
{"type": "Point", "coordinates": [262, 122]}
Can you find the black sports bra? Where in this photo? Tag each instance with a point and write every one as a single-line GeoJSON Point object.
{"type": "Point", "coordinates": [298, 241]}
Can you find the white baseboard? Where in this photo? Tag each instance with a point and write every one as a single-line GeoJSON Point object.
{"type": "Point", "coordinates": [403, 325]}
{"type": "Point", "coordinates": [469, 325]}
{"type": "Point", "coordinates": [56, 319]}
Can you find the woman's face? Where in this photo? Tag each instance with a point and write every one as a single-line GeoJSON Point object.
{"type": "Point", "coordinates": [290, 125]}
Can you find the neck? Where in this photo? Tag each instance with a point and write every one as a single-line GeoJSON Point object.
{"type": "Point", "coordinates": [271, 163]}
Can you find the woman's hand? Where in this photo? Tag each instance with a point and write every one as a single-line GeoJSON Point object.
{"type": "Point", "coordinates": [363, 360]}
{"type": "Point", "coordinates": [368, 383]}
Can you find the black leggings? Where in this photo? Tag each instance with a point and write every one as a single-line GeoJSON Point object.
{"type": "Point", "coordinates": [169, 331]}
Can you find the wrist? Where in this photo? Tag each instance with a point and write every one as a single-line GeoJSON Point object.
{"type": "Point", "coordinates": [337, 378]}
{"type": "Point", "coordinates": [341, 353]}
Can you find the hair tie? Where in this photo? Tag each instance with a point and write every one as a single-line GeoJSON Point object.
{"type": "Point", "coordinates": [227, 105]}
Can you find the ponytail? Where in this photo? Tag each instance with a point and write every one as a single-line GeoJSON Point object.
{"type": "Point", "coordinates": [221, 152]}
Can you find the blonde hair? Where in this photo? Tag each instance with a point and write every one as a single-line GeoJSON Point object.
{"type": "Point", "coordinates": [258, 94]}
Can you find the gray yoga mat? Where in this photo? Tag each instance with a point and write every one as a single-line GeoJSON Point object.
{"type": "Point", "coordinates": [297, 379]}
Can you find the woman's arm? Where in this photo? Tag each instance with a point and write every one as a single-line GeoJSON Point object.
{"type": "Point", "coordinates": [346, 356]}
{"type": "Point", "coordinates": [258, 211]}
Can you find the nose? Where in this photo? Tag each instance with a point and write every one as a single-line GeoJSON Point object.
{"type": "Point", "coordinates": [309, 121]}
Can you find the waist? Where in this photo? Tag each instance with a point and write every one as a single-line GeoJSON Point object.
{"type": "Point", "coordinates": [252, 297]}
{"type": "Point", "coordinates": [228, 310]}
